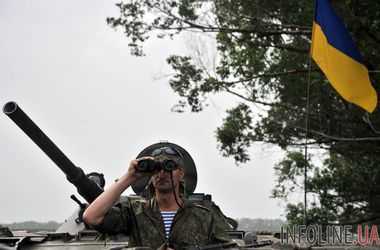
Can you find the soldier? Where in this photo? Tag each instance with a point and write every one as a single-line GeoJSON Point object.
{"type": "Point", "coordinates": [167, 220]}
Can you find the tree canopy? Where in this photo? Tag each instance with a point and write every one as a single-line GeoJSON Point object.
{"type": "Point", "coordinates": [263, 60]}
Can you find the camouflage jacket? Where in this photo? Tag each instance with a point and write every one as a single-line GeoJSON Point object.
{"type": "Point", "coordinates": [193, 225]}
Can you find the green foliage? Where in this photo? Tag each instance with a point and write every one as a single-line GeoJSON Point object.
{"type": "Point", "coordinates": [187, 75]}
{"type": "Point", "coordinates": [288, 173]}
{"type": "Point", "coordinates": [263, 58]}
{"type": "Point", "coordinates": [315, 215]}
{"type": "Point", "coordinates": [347, 190]}
{"type": "Point", "coordinates": [235, 134]}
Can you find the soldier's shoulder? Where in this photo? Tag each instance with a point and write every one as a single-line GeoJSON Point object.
{"type": "Point", "coordinates": [205, 204]}
{"type": "Point", "coordinates": [201, 207]}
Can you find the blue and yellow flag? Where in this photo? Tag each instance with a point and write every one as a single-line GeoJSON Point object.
{"type": "Point", "coordinates": [335, 53]}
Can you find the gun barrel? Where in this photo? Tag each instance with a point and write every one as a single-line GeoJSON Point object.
{"type": "Point", "coordinates": [86, 187]}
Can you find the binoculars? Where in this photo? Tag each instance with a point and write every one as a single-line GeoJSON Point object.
{"type": "Point", "coordinates": [149, 165]}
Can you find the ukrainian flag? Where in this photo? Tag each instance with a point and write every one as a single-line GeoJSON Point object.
{"type": "Point", "coordinates": [335, 53]}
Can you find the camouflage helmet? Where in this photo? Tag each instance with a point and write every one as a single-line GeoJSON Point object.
{"type": "Point", "coordinates": [190, 177]}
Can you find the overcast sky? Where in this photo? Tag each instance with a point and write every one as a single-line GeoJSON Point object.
{"type": "Point", "coordinates": [74, 76]}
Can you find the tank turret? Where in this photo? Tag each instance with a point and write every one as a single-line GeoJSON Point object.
{"type": "Point", "coordinates": [74, 234]}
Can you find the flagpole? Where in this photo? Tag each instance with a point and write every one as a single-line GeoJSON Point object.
{"type": "Point", "coordinates": [307, 130]}
{"type": "Point", "coordinates": [306, 141]}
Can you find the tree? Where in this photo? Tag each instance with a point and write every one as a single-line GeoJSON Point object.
{"type": "Point", "coordinates": [346, 191]}
{"type": "Point", "coordinates": [263, 50]}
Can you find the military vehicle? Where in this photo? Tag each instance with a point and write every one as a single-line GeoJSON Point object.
{"type": "Point", "coordinates": [74, 234]}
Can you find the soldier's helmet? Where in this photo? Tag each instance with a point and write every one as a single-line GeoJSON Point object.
{"type": "Point", "coordinates": [141, 187]}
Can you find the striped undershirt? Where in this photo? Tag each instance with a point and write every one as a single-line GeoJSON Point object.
{"type": "Point", "coordinates": [167, 217]}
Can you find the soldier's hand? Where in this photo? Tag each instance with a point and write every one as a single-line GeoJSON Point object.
{"type": "Point", "coordinates": [133, 173]}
